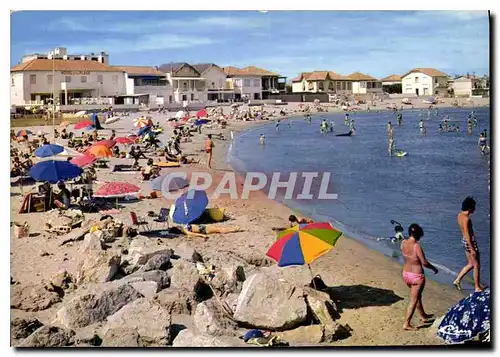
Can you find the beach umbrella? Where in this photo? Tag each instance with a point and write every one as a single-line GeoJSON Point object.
{"type": "Point", "coordinates": [83, 160]}
{"type": "Point", "coordinates": [65, 123]}
{"type": "Point", "coordinates": [202, 113]}
{"type": "Point", "coordinates": [189, 207]}
{"type": "Point", "coordinates": [54, 170]}
{"type": "Point", "coordinates": [117, 189]}
{"type": "Point", "coordinates": [140, 122]}
{"type": "Point", "coordinates": [48, 150]}
{"type": "Point", "coordinates": [83, 124]}
{"type": "Point", "coordinates": [176, 183]}
{"type": "Point", "coordinates": [108, 143]}
{"type": "Point", "coordinates": [143, 130]}
{"type": "Point", "coordinates": [466, 320]}
{"type": "Point", "coordinates": [99, 151]}
{"type": "Point", "coordinates": [24, 132]}
{"type": "Point", "coordinates": [303, 243]}
{"type": "Point", "coordinates": [124, 140]}
{"type": "Point", "coordinates": [201, 121]}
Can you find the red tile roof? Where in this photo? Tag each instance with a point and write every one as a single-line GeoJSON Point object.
{"type": "Point", "coordinates": [429, 71]}
{"type": "Point", "coordinates": [140, 70]}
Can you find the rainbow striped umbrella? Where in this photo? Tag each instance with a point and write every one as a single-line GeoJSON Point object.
{"type": "Point", "coordinates": [303, 243]}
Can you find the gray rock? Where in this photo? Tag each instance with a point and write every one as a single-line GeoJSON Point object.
{"type": "Point", "coordinates": [231, 301]}
{"type": "Point", "coordinates": [22, 327]}
{"type": "Point", "coordinates": [160, 277]}
{"type": "Point", "coordinates": [228, 279]}
{"type": "Point", "coordinates": [142, 249]}
{"type": "Point", "coordinates": [268, 303]}
{"type": "Point", "coordinates": [151, 321]}
{"type": "Point", "coordinates": [186, 252]}
{"type": "Point", "coordinates": [184, 275]}
{"type": "Point", "coordinates": [121, 337]}
{"type": "Point", "coordinates": [157, 262]}
{"type": "Point", "coordinates": [187, 338]}
{"type": "Point", "coordinates": [91, 243]}
{"type": "Point", "coordinates": [62, 280]}
{"type": "Point", "coordinates": [176, 301]}
{"type": "Point", "coordinates": [146, 288]}
{"type": "Point", "coordinates": [92, 306]}
{"type": "Point", "coordinates": [88, 336]}
{"type": "Point", "coordinates": [209, 318]}
{"type": "Point", "coordinates": [33, 297]}
{"type": "Point", "coordinates": [303, 335]}
{"type": "Point", "coordinates": [98, 267]}
{"type": "Point", "coordinates": [49, 336]}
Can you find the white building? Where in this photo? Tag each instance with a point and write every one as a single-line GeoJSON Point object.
{"type": "Point", "coordinates": [145, 85]}
{"type": "Point", "coordinates": [218, 86]}
{"type": "Point", "coordinates": [246, 85]}
{"type": "Point", "coordinates": [425, 81]}
{"type": "Point", "coordinates": [364, 84]}
{"type": "Point", "coordinates": [463, 86]}
{"type": "Point", "coordinates": [34, 81]}
{"type": "Point", "coordinates": [187, 83]}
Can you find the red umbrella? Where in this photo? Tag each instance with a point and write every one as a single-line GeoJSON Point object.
{"type": "Point", "coordinates": [202, 113]}
{"type": "Point", "coordinates": [83, 160]}
{"type": "Point", "coordinates": [117, 189]}
{"type": "Point", "coordinates": [108, 143]}
{"type": "Point", "coordinates": [124, 140]}
{"type": "Point", "coordinates": [83, 124]}
{"type": "Point", "coordinates": [132, 136]}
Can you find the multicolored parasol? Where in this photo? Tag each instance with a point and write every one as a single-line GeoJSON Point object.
{"type": "Point", "coordinates": [303, 243]}
{"type": "Point", "coordinates": [24, 132]}
{"type": "Point", "coordinates": [141, 122]}
{"type": "Point", "coordinates": [83, 124]}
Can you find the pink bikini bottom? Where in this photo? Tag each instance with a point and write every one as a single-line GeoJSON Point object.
{"type": "Point", "coordinates": [413, 278]}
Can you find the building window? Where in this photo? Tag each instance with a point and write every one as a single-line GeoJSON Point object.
{"type": "Point", "coordinates": [50, 79]}
{"type": "Point", "coordinates": [184, 97]}
{"type": "Point", "coordinates": [321, 86]}
{"type": "Point", "coordinates": [362, 84]}
{"type": "Point", "coordinates": [185, 85]}
{"type": "Point", "coordinates": [237, 82]}
{"type": "Point", "coordinates": [170, 99]}
{"type": "Point", "coordinates": [331, 86]}
{"type": "Point", "coordinates": [67, 79]}
{"type": "Point", "coordinates": [99, 78]}
{"type": "Point", "coordinates": [339, 85]}
{"type": "Point", "coordinates": [416, 79]}
{"type": "Point", "coordinates": [95, 59]}
{"type": "Point", "coordinates": [369, 85]}
{"type": "Point", "coordinates": [256, 82]}
{"type": "Point", "coordinates": [435, 81]}
{"type": "Point", "coordinates": [12, 81]}
{"type": "Point", "coordinates": [246, 82]}
{"type": "Point", "coordinates": [349, 85]}
{"type": "Point", "coordinates": [310, 85]}
{"type": "Point", "coordinates": [192, 96]}
{"type": "Point", "coordinates": [32, 78]}
{"type": "Point", "coordinates": [83, 79]}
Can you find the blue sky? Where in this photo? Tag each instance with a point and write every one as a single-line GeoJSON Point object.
{"type": "Point", "coordinates": [378, 43]}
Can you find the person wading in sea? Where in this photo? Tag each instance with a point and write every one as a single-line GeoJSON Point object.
{"type": "Point", "coordinates": [413, 274]}
{"type": "Point", "coordinates": [469, 243]}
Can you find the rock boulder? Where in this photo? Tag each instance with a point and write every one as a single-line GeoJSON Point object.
{"type": "Point", "coordinates": [49, 336]}
{"type": "Point", "coordinates": [21, 328]}
{"type": "Point", "coordinates": [176, 301]}
{"type": "Point", "coordinates": [187, 338]}
{"type": "Point", "coordinates": [33, 297]}
{"type": "Point", "coordinates": [210, 319]}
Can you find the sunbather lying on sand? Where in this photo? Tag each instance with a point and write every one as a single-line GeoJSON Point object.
{"type": "Point", "coordinates": [201, 230]}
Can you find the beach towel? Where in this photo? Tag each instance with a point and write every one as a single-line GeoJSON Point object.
{"type": "Point", "coordinates": [167, 164]}
{"type": "Point", "coordinates": [125, 168]}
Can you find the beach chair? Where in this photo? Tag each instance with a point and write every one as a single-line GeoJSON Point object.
{"type": "Point", "coordinates": [139, 222]}
{"type": "Point", "coordinates": [163, 217]}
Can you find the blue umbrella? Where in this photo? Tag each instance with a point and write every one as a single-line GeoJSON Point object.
{"type": "Point", "coordinates": [201, 121]}
{"type": "Point", "coordinates": [143, 130]}
{"type": "Point", "coordinates": [54, 170]}
{"type": "Point", "coordinates": [176, 183]}
{"type": "Point", "coordinates": [49, 150]}
{"type": "Point", "coordinates": [24, 132]}
{"type": "Point", "coordinates": [188, 209]}
{"type": "Point", "coordinates": [468, 318]}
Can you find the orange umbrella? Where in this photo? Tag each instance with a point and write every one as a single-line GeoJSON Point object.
{"type": "Point", "coordinates": [99, 151]}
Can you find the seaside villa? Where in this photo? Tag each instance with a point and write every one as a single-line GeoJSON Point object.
{"type": "Point", "coordinates": [425, 81]}
{"type": "Point", "coordinates": [390, 80]}
{"type": "Point", "coordinates": [334, 83]}
{"type": "Point", "coordinates": [187, 83]}
{"type": "Point", "coordinates": [255, 83]}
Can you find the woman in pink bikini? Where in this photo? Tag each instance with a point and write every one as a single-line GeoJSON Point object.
{"type": "Point", "coordinates": [413, 274]}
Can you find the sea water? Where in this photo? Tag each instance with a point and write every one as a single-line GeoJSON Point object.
{"type": "Point", "coordinates": [426, 187]}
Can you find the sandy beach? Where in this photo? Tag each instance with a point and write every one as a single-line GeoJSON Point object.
{"type": "Point", "coordinates": [372, 298]}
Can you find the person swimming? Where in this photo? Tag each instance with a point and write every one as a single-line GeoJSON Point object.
{"type": "Point", "coordinates": [346, 119]}
{"type": "Point", "coordinates": [352, 129]}
{"type": "Point", "coordinates": [323, 126]}
{"type": "Point", "coordinates": [469, 126]}
{"type": "Point", "coordinates": [482, 143]}
{"type": "Point", "coordinates": [391, 146]}
{"type": "Point", "coordinates": [262, 139]}
{"type": "Point", "coordinates": [278, 125]}
{"type": "Point", "coordinates": [400, 119]}
{"type": "Point", "coordinates": [332, 126]}
{"type": "Point", "coordinates": [422, 127]}
{"type": "Point", "coordinates": [390, 130]}
{"type": "Point", "coordinates": [440, 128]}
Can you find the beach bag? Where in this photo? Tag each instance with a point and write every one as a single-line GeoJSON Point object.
{"type": "Point", "coordinates": [21, 230]}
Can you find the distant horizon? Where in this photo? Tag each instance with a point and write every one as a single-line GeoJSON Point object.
{"type": "Point", "coordinates": [377, 43]}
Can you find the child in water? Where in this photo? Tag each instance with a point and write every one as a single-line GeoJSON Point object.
{"type": "Point", "coordinates": [262, 139]}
